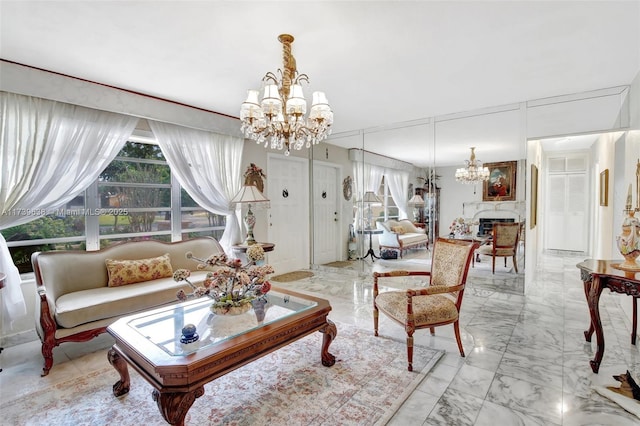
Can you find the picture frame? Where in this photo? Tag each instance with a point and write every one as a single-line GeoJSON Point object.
{"type": "Point", "coordinates": [604, 188]}
{"type": "Point", "coordinates": [533, 221]}
{"type": "Point", "coordinates": [501, 185]}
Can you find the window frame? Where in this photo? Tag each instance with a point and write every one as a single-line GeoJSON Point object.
{"type": "Point", "coordinates": [92, 238]}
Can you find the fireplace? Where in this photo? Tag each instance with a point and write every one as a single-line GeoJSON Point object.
{"type": "Point", "coordinates": [485, 225]}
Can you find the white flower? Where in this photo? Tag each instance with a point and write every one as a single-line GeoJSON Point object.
{"type": "Point", "coordinates": [255, 253]}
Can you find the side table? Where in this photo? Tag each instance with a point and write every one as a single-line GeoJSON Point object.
{"type": "Point", "coordinates": [370, 233]}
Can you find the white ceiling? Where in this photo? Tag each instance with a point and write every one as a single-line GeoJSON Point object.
{"type": "Point", "coordinates": [380, 63]}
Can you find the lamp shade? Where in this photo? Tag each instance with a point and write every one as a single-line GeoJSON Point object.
{"type": "Point", "coordinates": [371, 197]}
{"type": "Point", "coordinates": [416, 200]}
{"type": "Point", "coordinates": [249, 194]}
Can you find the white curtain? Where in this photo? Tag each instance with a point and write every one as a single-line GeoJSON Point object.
{"type": "Point", "coordinates": [49, 153]}
{"type": "Point", "coordinates": [398, 184]}
{"type": "Point", "coordinates": [208, 166]}
{"type": "Point", "coordinates": [367, 177]}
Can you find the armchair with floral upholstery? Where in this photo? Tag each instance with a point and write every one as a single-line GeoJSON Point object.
{"type": "Point", "coordinates": [504, 243]}
{"type": "Point", "coordinates": [432, 306]}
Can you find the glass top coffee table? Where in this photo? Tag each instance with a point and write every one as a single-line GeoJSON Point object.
{"type": "Point", "coordinates": [151, 343]}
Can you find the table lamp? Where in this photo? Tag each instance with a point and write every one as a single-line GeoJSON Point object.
{"type": "Point", "coordinates": [370, 198]}
{"type": "Point", "coordinates": [416, 201]}
{"type": "Point", "coordinates": [249, 194]}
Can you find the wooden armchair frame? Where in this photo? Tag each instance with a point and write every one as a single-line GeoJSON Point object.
{"type": "Point", "coordinates": [505, 240]}
{"type": "Point", "coordinates": [388, 302]}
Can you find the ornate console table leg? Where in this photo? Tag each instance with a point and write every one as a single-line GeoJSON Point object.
{"type": "Point", "coordinates": [330, 332]}
{"type": "Point", "coordinates": [634, 326]}
{"type": "Point", "coordinates": [586, 281]}
{"type": "Point", "coordinates": [594, 310]}
{"type": "Point", "coordinates": [121, 387]}
{"type": "Point", "coordinates": [174, 405]}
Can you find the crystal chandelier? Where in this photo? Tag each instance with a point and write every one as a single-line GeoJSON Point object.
{"type": "Point", "coordinates": [474, 172]}
{"type": "Point", "coordinates": [279, 120]}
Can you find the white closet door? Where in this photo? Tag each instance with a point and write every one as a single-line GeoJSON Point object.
{"type": "Point", "coordinates": [565, 222]}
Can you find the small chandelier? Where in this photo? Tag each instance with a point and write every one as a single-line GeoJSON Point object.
{"type": "Point", "coordinates": [279, 120]}
{"type": "Point", "coordinates": [474, 172]}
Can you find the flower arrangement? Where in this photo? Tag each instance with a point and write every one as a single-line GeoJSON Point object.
{"type": "Point", "coordinates": [253, 176]}
{"type": "Point", "coordinates": [231, 285]}
{"type": "Point", "coordinates": [254, 170]}
{"type": "Point", "coordinates": [460, 227]}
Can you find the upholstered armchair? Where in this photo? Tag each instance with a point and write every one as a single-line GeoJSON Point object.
{"type": "Point", "coordinates": [432, 306]}
{"type": "Point", "coordinates": [504, 243]}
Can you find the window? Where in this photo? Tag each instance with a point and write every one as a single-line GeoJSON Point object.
{"type": "Point", "coordinates": [388, 209]}
{"type": "Point", "coordinates": [135, 197]}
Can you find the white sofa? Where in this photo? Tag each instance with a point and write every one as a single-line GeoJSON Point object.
{"type": "Point", "coordinates": [401, 235]}
{"type": "Point", "coordinates": [76, 302]}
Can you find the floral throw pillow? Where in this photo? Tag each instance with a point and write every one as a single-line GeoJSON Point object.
{"type": "Point", "coordinates": [398, 229]}
{"type": "Point", "coordinates": [123, 272]}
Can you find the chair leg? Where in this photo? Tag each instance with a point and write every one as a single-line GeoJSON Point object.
{"type": "Point", "coordinates": [432, 330]}
{"type": "Point", "coordinates": [493, 264]}
{"type": "Point", "coordinates": [515, 263]}
{"type": "Point", "coordinates": [505, 262]}
{"type": "Point", "coordinates": [410, 352]}
{"type": "Point", "coordinates": [375, 319]}
{"type": "Point", "coordinates": [456, 328]}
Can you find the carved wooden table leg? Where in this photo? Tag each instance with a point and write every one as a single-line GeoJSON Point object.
{"type": "Point", "coordinates": [635, 320]}
{"type": "Point", "coordinates": [121, 387]}
{"type": "Point", "coordinates": [330, 332]}
{"type": "Point", "coordinates": [174, 405]}
{"type": "Point", "coordinates": [594, 310]}
{"type": "Point", "coordinates": [587, 287]}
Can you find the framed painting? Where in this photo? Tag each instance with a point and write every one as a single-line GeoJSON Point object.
{"type": "Point", "coordinates": [501, 185]}
{"type": "Point", "coordinates": [533, 221]}
{"type": "Point", "coordinates": [604, 188]}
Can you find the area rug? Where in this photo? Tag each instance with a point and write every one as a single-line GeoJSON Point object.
{"type": "Point", "coordinates": [339, 264]}
{"type": "Point", "coordinates": [291, 276]}
{"type": "Point", "coordinates": [368, 383]}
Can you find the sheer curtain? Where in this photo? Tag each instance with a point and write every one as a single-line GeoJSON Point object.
{"type": "Point", "coordinates": [207, 165]}
{"type": "Point", "coordinates": [398, 184]}
{"type": "Point", "coordinates": [49, 153]}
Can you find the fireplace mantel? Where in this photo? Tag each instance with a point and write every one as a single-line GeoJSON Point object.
{"type": "Point", "coordinates": [494, 209]}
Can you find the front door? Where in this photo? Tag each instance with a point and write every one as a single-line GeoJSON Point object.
{"type": "Point", "coordinates": [288, 192]}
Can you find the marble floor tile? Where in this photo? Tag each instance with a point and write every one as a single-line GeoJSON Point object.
{"type": "Point", "coordinates": [527, 361]}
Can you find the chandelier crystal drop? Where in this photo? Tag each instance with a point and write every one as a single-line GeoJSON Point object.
{"type": "Point", "coordinates": [474, 172]}
{"type": "Point", "coordinates": [279, 119]}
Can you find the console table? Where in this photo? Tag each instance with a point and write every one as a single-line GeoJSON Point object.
{"type": "Point", "coordinates": [596, 276]}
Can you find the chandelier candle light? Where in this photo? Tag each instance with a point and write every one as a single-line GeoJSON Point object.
{"type": "Point", "coordinates": [474, 172]}
{"type": "Point", "coordinates": [279, 120]}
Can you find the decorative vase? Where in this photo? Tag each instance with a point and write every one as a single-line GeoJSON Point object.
{"type": "Point", "coordinates": [189, 334]}
{"type": "Point", "coordinates": [231, 310]}
{"type": "Point", "coordinates": [259, 308]}
{"type": "Point", "coordinates": [629, 242]}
